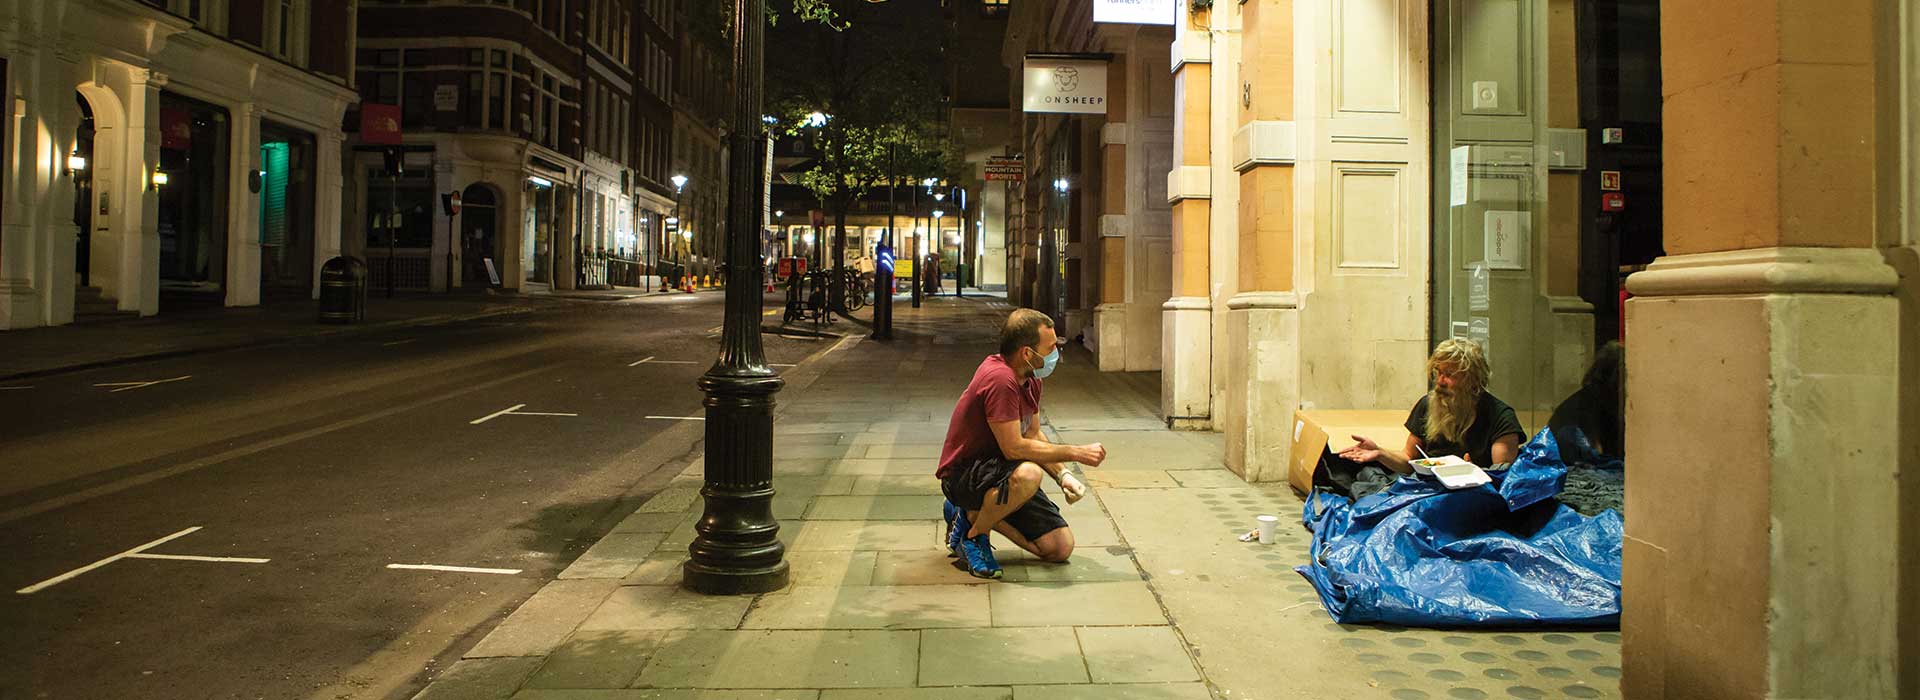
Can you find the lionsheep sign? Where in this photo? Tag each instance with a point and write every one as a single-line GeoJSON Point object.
{"type": "Point", "coordinates": [1065, 85]}
{"type": "Point", "coordinates": [1162, 12]}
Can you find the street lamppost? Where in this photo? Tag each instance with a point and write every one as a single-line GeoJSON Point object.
{"type": "Point", "coordinates": [679, 188]}
{"type": "Point", "coordinates": [735, 547]}
{"type": "Point", "coordinates": [934, 247]}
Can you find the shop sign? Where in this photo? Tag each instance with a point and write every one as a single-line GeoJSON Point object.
{"type": "Point", "coordinates": [1479, 288]}
{"type": "Point", "coordinates": [379, 124]}
{"type": "Point", "coordinates": [1065, 86]}
{"type": "Point", "coordinates": [1162, 12]}
{"type": "Point", "coordinates": [1610, 181]}
{"type": "Point", "coordinates": [1006, 168]}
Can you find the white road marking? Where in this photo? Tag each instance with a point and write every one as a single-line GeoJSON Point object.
{"type": "Point", "coordinates": [190, 557]}
{"type": "Point", "coordinates": [457, 569]}
{"type": "Point", "coordinates": [675, 418]}
{"type": "Point", "coordinates": [129, 386]}
{"type": "Point", "coordinates": [641, 361]}
{"type": "Point", "coordinates": [399, 342]}
{"type": "Point", "coordinates": [777, 364]}
{"type": "Point", "coordinates": [138, 553]}
{"type": "Point", "coordinates": [651, 361]}
{"type": "Point", "coordinates": [14, 388]}
{"type": "Point", "coordinates": [514, 410]}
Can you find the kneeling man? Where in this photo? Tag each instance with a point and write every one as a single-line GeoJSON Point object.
{"type": "Point", "coordinates": [994, 456]}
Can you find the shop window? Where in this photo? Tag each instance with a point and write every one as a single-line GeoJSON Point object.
{"type": "Point", "coordinates": [994, 8]}
{"type": "Point", "coordinates": [405, 210]}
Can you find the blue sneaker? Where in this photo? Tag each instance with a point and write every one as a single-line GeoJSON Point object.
{"type": "Point", "coordinates": [957, 526]}
{"type": "Point", "coordinates": [979, 554]}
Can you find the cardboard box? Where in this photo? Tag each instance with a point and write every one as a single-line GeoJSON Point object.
{"type": "Point", "coordinates": [1318, 430]}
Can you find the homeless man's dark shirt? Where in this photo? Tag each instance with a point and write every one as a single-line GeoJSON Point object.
{"type": "Point", "coordinates": [1492, 419]}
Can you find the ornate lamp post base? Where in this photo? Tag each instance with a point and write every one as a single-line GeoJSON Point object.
{"type": "Point", "coordinates": [736, 547]}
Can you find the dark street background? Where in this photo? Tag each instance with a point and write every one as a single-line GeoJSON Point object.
{"type": "Point", "coordinates": [331, 457]}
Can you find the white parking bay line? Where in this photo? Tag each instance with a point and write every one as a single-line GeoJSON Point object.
{"type": "Point", "coordinates": [650, 360]}
{"type": "Point", "coordinates": [139, 553]}
{"type": "Point", "coordinates": [676, 418]}
{"type": "Point", "coordinates": [129, 386]}
{"type": "Point", "coordinates": [456, 569]}
{"type": "Point", "coordinates": [514, 410]}
{"type": "Point", "coordinates": [15, 388]}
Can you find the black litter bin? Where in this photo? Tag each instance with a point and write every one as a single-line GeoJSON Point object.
{"type": "Point", "coordinates": [343, 290]}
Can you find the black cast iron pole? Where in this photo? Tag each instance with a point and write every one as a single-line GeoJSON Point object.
{"type": "Point", "coordinates": [735, 548]}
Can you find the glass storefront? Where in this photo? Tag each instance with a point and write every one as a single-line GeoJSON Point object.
{"type": "Point", "coordinates": [286, 209]}
{"type": "Point", "coordinates": [193, 198]}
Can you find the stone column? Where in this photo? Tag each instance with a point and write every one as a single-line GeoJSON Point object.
{"type": "Point", "coordinates": [243, 207]}
{"type": "Point", "coordinates": [21, 243]}
{"type": "Point", "coordinates": [1186, 392]}
{"type": "Point", "coordinates": [1263, 317]}
{"type": "Point", "coordinates": [329, 229]}
{"type": "Point", "coordinates": [1110, 316]}
{"type": "Point", "coordinates": [54, 274]}
{"type": "Point", "coordinates": [1762, 399]}
{"type": "Point", "coordinates": [139, 201]}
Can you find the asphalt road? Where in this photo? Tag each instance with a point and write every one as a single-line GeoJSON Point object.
{"type": "Point", "coordinates": [330, 459]}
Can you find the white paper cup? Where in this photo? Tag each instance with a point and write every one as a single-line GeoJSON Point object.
{"type": "Point", "coordinates": [1269, 527]}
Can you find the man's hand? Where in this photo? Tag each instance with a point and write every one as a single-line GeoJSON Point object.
{"type": "Point", "coordinates": [1072, 487]}
{"type": "Point", "coordinates": [1090, 455]}
{"type": "Point", "coordinates": [1363, 452]}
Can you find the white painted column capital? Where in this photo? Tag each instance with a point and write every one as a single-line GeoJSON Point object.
{"type": "Point", "coordinates": [1189, 182]}
{"type": "Point", "coordinates": [1767, 271]}
{"type": "Point", "coordinates": [1260, 143]}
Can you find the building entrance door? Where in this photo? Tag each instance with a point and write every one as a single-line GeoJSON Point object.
{"type": "Point", "coordinates": [1490, 196]}
{"type": "Point", "coordinates": [79, 165]}
{"type": "Point", "coordinates": [479, 242]}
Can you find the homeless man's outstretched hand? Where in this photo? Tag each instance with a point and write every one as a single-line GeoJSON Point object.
{"type": "Point", "coordinates": [1363, 452]}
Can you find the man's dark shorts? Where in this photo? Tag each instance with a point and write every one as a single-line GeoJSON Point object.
{"type": "Point", "coordinates": [967, 485]}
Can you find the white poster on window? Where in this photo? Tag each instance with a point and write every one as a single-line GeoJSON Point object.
{"type": "Point", "coordinates": [1065, 86]}
{"type": "Point", "coordinates": [446, 98]}
{"type": "Point", "coordinates": [1506, 239]}
{"type": "Point", "coordinates": [1162, 12]}
{"type": "Point", "coordinates": [1457, 176]}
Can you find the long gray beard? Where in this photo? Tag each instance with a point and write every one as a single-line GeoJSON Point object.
{"type": "Point", "coordinates": [1448, 418]}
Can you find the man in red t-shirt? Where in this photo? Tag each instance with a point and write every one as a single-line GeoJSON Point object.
{"type": "Point", "coordinates": [994, 456]}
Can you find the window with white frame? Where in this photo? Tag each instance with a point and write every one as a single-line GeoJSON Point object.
{"type": "Point", "coordinates": [286, 31]}
{"type": "Point", "coordinates": [211, 15]}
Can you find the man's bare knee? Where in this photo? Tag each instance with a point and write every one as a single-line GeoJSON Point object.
{"type": "Point", "coordinates": [1027, 474]}
{"type": "Point", "coordinates": [1056, 554]}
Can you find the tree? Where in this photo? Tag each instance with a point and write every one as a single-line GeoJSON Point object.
{"type": "Point", "coordinates": [850, 61]}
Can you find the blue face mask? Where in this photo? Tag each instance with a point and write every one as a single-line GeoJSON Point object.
{"type": "Point", "coordinates": [1047, 365]}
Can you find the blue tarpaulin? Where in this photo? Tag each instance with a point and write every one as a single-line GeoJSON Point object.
{"type": "Point", "coordinates": [1504, 554]}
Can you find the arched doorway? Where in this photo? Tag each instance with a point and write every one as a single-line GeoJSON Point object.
{"type": "Point", "coordinates": [479, 240]}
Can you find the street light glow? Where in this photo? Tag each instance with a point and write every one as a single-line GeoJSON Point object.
{"type": "Point", "coordinates": [806, 238]}
{"type": "Point", "coordinates": [817, 120]}
{"type": "Point", "coordinates": [687, 234]}
{"type": "Point", "coordinates": [679, 182]}
{"type": "Point", "coordinates": [938, 213]}
{"type": "Point", "coordinates": [1060, 184]}
{"type": "Point", "coordinates": [779, 213]}
{"type": "Point", "coordinates": [673, 219]}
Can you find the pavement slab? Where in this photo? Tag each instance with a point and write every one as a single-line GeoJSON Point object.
{"type": "Point", "coordinates": [481, 679]}
{"type": "Point", "coordinates": [614, 556]}
{"type": "Point", "coordinates": [597, 659]}
{"type": "Point", "coordinates": [784, 659]}
{"type": "Point", "coordinates": [1089, 603]}
{"type": "Point", "coordinates": [667, 694]}
{"type": "Point", "coordinates": [664, 608]}
{"type": "Point", "coordinates": [919, 694]}
{"type": "Point", "coordinates": [923, 484]}
{"type": "Point", "coordinates": [934, 567]}
{"type": "Point", "coordinates": [828, 568]}
{"type": "Point", "coordinates": [1120, 691]}
{"type": "Point", "coordinates": [915, 507]}
{"type": "Point", "coordinates": [1001, 656]}
{"type": "Point", "coordinates": [818, 535]}
{"type": "Point", "coordinates": [541, 623]}
{"type": "Point", "coordinates": [871, 607]}
{"type": "Point", "coordinates": [1135, 655]}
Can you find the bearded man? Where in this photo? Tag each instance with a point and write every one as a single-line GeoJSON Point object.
{"type": "Point", "coordinates": [1457, 417]}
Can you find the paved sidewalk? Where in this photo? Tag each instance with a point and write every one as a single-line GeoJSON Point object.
{"type": "Point", "coordinates": [1160, 601]}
